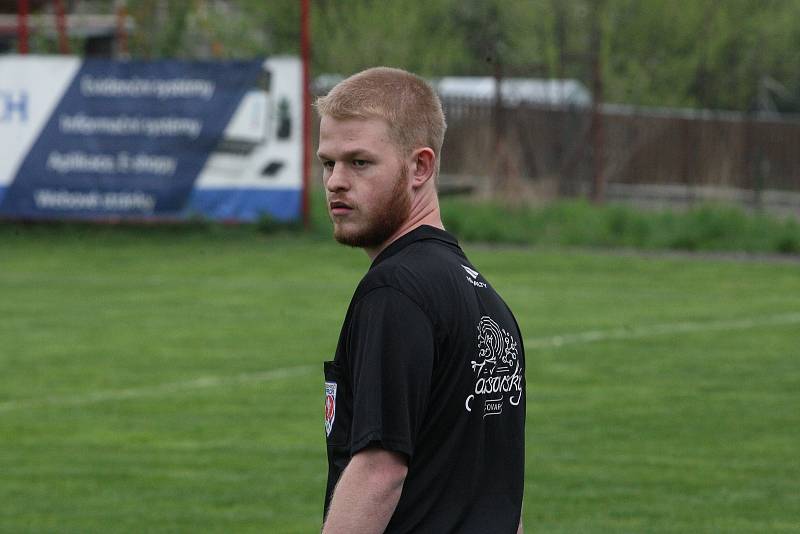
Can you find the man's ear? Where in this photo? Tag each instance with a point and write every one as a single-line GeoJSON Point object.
{"type": "Point", "coordinates": [423, 166]}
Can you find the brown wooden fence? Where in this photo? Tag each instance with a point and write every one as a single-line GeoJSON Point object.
{"type": "Point", "coordinates": [694, 149]}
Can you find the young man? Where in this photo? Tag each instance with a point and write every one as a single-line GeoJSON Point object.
{"type": "Point", "coordinates": [425, 398]}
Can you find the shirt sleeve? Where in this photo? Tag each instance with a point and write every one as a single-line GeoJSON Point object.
{"type": "Point", "coordinates": [391, 353]}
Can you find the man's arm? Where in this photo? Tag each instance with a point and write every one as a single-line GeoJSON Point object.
{"type": "Point", "coordinates": [367, 493]}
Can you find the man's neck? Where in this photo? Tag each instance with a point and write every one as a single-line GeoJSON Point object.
{"type": "Point", "coordinates": [429, 217]}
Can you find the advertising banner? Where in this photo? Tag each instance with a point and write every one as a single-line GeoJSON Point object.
{"type": "Point", "coordinates": [111, 140]}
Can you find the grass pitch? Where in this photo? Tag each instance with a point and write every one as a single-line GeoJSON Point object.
{"type": "Point", "coordinates": [172, 382]}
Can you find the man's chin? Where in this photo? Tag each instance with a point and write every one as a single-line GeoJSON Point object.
{"type": "Point", "coordinates": [360, 238]}
{"type": "Point", "coordinates": [350, 238]}
{"type": "Point", "coordinates": [344, 238]}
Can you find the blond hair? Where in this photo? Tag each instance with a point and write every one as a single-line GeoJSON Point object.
{"type": "Point", "coordinates": [405, 101]}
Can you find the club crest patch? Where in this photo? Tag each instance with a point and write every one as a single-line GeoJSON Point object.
{"type": "Point", "coordinates": [330, 406]}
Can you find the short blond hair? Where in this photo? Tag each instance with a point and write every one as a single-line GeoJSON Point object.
{"type": "Point", "coordinates": [405, 101]}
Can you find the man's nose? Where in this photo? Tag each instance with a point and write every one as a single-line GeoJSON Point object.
{"type": "Point", "coordinates": [337, 181]}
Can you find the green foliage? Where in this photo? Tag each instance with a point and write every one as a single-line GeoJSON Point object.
{"type": "Point", "coordinates": [202, 29]}
{"type": "Point", "coordinates": [357, 34]}
{"type": "Point", "coordinates": [686, 53]}
{"type": "Point", "coordinates": [700, 53]}
{"type": "Point", "coordinates": [564, 223]}
{"type": "Point", "coordinates": [579, 223]}
{"type": "Point", "coordinates": [267, 224]}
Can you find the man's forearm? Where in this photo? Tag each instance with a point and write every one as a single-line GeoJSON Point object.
{"type": "Point", "coordinates": [367, 493]}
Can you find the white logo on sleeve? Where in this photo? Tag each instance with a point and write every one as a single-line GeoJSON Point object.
{"type": "Point", "coordinates": [472, 277]}
{"type": "Point", "coordinates": [498, 372]}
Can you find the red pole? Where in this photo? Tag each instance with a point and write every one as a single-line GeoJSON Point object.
{"type": "Point", "coordinates": [305, 52]}
{"type": "Point", "coordinates": [122, 31]}
{"type": "Point", "coordinates": [22, 26]}
{"type": "Point", "coordinates": [61, 24]}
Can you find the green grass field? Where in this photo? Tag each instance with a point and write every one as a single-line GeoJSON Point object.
{"type": "Point", "coordinates": [172, 382]}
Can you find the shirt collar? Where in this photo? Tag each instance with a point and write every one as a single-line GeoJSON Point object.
{"type": "Point", "coordinates": [417, 234]}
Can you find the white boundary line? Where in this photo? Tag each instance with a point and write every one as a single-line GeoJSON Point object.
{"type": "Point", "coordinates": [636, 332]}
{"type": "Point", "coordinates": [287, 372]}
{"type": "Point", "coordinates": [155, 391]}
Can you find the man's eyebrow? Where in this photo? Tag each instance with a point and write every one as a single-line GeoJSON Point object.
{"type": "Point", "coordinates": [358, 153]}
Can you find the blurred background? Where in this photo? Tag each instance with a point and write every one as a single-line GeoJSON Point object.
{"type": "Point", "coordinates": [625, 172]}
{"type": "Point", "coordinates": [656, 103]}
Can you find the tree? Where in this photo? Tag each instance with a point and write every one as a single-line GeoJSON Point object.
{"type": "Point", "coordinates": [684, 53]}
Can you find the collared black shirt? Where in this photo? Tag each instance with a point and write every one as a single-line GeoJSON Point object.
{"type": "Point", "coordinates": [430, 364]}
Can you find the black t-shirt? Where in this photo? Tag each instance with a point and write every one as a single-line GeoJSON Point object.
{"type": "Point", "coordinates": [430, 364]}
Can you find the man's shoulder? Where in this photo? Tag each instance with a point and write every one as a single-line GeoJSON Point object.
{"type": "Point", "coordinates": [429, 273]}
{"type": "Point", "coordinates": [421, 262]}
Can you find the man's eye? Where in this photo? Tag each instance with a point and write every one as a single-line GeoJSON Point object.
{"type": "Point", "coordinates": [328, 165]}
{"type": "Point", "coordinates": [359, 163]}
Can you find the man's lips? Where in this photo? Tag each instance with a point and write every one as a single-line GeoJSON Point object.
{"type": "Point", "coordinates": [340, 208]}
